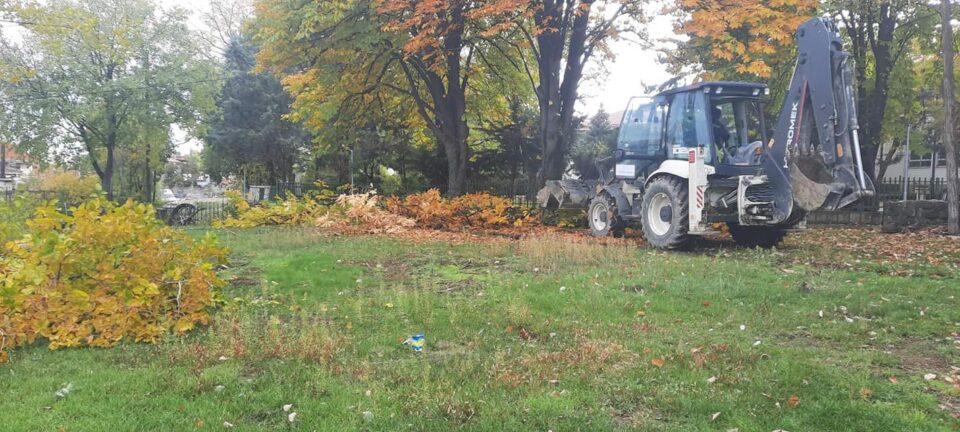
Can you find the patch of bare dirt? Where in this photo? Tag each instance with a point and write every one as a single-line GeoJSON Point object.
{"type": "Point", "coordinates": [390, 270]}
{"type": "Point", "coordinates": [636, 417]}
{"type": "Point", "coordinates": [462, 286]}
{"type": "Point", "coordinates": [919, 356]}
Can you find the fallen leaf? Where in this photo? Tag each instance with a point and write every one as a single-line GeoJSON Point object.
{"type": "Point", "coordinates": [793, 401]}
{"type": "Point", "coordinates": [866, 393]}
{"type": "Point", "coordinates": [198, 422]}
{"type": "Point", "coordinates": [893, 379]}
{"type": "Point", "coordinates": [658, 362]}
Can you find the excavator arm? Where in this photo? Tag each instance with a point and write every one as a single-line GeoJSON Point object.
{"type": "Point", "coordinates": [813, 160]}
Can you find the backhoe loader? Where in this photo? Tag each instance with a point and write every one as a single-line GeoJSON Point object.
{"type": "Point", "coordinates": [691, 158]}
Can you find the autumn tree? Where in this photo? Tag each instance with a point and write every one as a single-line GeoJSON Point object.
{"type": "Point", "coordinates": [346, 56]}
{"type": "Point", "coordinates": [739, 41]}
{"type": "Point", "coordinates": [103, 75]}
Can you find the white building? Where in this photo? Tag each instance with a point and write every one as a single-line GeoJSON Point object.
{"type": "Point", "coordinates": [923, 166]}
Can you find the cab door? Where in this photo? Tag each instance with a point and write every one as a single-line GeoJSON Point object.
{"type": "Point", "coordinates": [688, 126]}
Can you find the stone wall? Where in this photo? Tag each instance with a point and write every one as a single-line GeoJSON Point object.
{"type": "Point", "coordinates": [845, 217]}
{"type": "Point", "coordinates": [899, 216]}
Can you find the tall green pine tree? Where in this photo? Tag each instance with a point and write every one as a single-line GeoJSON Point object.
{"type": "Point", "coordinates": [250, 137]}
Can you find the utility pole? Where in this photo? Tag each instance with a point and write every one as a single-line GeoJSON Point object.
{"type": "Point", "coordinates": [953, 183]}
{"type": "Point", "coordinates": [906, 164]}
{"type": "Point", "coordinates": [352, 191]}
{"type": "Point", "coordinates": [3, 159]}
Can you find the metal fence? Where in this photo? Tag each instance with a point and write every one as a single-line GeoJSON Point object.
{"type": "Point", "coordinates": [523, 194]}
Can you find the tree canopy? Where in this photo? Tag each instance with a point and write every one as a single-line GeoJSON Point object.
{"type": "Point", "coordinates": [106, 76]}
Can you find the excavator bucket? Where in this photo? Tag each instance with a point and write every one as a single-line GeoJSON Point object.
{"type": "Point", "coordinates": [566, 194]}
{"type": "Point", "coordinates": [816, 139]}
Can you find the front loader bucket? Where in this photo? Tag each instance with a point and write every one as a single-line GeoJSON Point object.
{"type": "Point", "coordinates": [566, 194]}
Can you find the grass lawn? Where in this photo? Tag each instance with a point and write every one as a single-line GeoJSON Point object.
{"type": "Point", "coordinates": [550, 332]}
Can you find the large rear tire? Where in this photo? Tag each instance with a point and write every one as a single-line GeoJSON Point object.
{"type": "Point", "coordinates": [604, 217]}
{"type": "Point", "coordinates": [756, 236]}
{"type": "Point", "coordinates": [665, 213]}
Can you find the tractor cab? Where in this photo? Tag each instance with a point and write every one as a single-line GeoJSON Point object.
{"type": "Point", "coordinates": [726, 118]}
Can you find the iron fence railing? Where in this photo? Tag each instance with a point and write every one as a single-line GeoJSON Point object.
{"type": "Point", "coordinates": [523, 194]}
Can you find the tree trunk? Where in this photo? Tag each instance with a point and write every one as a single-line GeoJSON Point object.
{"type": "Point", "coordinates": [147, 176]}
{"type": "Point", "coordinates": [556, 93]}
{"type": "Point", "coordinates": [106, 180]}
{"type": "Point", "coordinates": [887, 159]}
{"type": "Point", "coordinates": [871, 27]}
{"type": "Point", "coordinates": [446, 116]}
{"type": "Point", "coordinates": [953, 183]}
{"type": "Point", "coordinates": [456, 167]}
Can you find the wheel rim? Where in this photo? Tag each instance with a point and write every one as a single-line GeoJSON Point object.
{"type": "Point", "coordinates": [600, 217]}
{"type": "Point", "coordinates": [659, 214]}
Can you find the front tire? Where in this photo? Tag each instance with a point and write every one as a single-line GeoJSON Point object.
{"type": "Point", "coordinates": [665, 214]}
{"type": "Point", "coordinates": [756, 236]}
{"type": "Point", "coordinates": [604, 217]}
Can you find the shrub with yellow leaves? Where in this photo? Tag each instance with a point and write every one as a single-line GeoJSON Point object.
{"type": "Point", "coordinates": [290, 210]}
{"type": "Point", "coordinates": [70, 187]}
{"type": "Point", "coordinates": [102, 273]}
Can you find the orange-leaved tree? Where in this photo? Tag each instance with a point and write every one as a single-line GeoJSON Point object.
{"type": "Point", "coordinates": [739, 39]}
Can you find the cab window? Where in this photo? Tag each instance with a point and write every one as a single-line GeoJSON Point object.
{"type": "Point", "coordinates": [737, 130]}
{"type": "Point", "coordinates": [640, 127]}
{"type": "Point", "coordinates": [687, 125]}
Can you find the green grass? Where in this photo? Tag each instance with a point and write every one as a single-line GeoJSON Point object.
{"type": "Point", "coordinates": [538, 334]}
